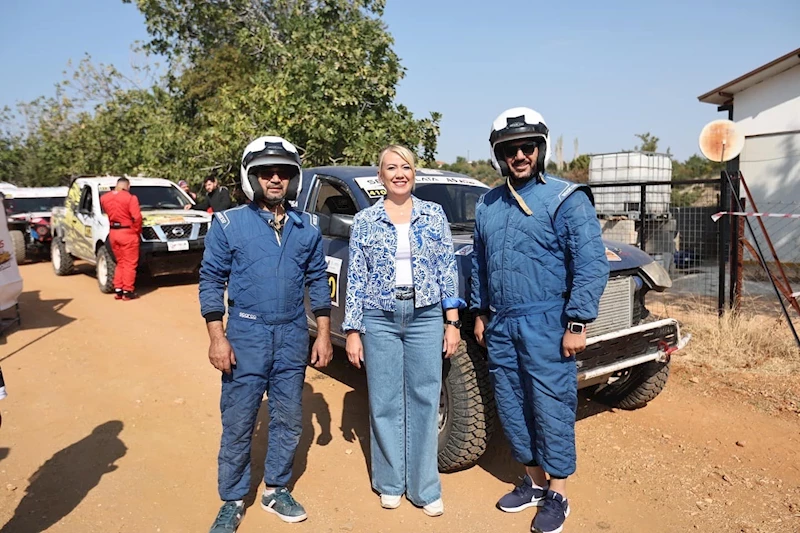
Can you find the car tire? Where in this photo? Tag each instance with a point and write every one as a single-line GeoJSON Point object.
{"type": "Point", "coordinates": [61, 259]}
{"type": "Point", "coordinates": [467, 413]}
{"type": "Point", "coordinates": [20, 249]}
{"type": "Point", "coordinates": [105, 270]}
{"type": "Point", "coordinates": [635, 389]}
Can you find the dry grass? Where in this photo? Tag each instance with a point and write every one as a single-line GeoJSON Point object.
{"type": "Point", "coordinates": [754, 340]}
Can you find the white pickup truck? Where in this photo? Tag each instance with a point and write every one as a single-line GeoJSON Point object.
{"type": "Point", "coordinates": [172, 236]}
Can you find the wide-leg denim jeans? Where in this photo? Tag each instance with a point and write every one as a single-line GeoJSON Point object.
{"type": "Point", "coordinates": [403, 359]}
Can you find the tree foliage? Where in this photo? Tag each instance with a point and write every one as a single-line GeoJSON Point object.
{"type": "Point", "coordinates": [321, 73]}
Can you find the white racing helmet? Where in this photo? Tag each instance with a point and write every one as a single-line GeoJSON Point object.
{"type": "Point", "coordinates": [266, 151]}
{"type": "Point", "coordinates": [519, 123]}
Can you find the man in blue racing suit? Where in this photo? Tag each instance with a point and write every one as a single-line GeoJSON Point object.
{"type": "Point", "coordinates": [265, 254]}
{"type": "Point", "coordinates": [539, 269]}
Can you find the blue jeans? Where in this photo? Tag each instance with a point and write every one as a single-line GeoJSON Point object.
{"type": "Point", "coordinates": [270, 358]}
{"type": "Point", "coordinates": [403, 359]}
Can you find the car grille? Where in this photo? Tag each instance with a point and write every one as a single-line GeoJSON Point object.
{"type": "Point", "coordinates": [616, 307]}
{"type": "Point", "coordinates": [177, 232]}
{"type": "Point", "coordinates": [149, 234]}
{"type": "Point", "coordinates": [203, 230]}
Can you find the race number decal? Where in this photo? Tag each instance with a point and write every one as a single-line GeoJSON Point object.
{"type": "Point", "coordinates": [372, 186]}
{"type": "Point", "coordinates": [333, 270]}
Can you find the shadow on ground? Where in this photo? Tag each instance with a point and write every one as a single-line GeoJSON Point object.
{"type": "Point", "coordinates": [64, 480]}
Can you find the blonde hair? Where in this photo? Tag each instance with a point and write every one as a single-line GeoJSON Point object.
{"type": "Point", "coordinates": [404, 153]}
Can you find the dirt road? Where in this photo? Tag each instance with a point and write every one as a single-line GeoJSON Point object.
{"type": "Point", "coordinates": [112, 425]}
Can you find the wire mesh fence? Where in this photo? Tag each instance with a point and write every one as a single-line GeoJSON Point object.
{"type": "Point", "coordinates": [713, 261]}
{"type": "Point", "coordinates": [672, 222]}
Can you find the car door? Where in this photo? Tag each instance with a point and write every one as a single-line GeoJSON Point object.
{"type": "Point", "coordinates": [80, 221]}
{"type": "Point", "coordinates": [328, 198]}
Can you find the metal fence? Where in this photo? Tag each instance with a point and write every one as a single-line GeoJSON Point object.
{"type": "Point", "coordinates": [713, 261]}
{"type": "Point", "coordinates": [672, 222]}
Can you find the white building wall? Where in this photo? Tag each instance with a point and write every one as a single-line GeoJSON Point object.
{"type": "Point", "coordinates": [771, 106]}
{"type": "Point", "coordinates": [768, 114]}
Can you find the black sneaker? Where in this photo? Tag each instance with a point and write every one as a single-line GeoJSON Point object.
{"type": "Point", "coordinates": [284, 505]}
{"type": "Point", "coordinates": [522, 497]}
{"type": "Point", "coordinates": [554, 511]}
{"type": "Point", "coordinates": [229, 517]}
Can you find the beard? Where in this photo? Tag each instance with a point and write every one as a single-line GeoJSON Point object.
{"type": "Point", "coordinates": [272, 201]}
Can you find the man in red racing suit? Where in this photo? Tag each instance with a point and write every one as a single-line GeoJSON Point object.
{"type": "Point", "coordinates": [125, 220]}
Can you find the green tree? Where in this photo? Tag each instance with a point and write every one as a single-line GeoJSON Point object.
{"type": "Point", "coordinates": [322, 74]}
{"type": "Point", "coordinates": [481, 170]}
{"type": "Point", "coordinates": [649, 143]}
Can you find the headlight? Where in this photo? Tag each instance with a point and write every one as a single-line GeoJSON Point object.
{"type": "Point", "coordinates": [657, 276]}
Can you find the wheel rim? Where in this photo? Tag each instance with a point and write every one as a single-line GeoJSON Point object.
{"type": "Point", "coordinates": [102, 270]}
{"type": "Point", "coordinates": [55, 257]}
{"type": "Point", "coordinates": [443, 407]}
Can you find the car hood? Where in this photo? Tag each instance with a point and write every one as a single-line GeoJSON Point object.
{"type": "Point", "coordinates": [158, 217]}
{"type": "Point", "coordinates": [620, 256]}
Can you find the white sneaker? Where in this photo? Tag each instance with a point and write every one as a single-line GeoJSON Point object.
{"type": "Point", "coordinates": [390, 502]}
{"type": "Point", "coordinates": [434, 508]}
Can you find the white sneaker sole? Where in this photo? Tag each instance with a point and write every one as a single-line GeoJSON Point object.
{"type": "Point", "coordinates": [289, 519]}
{"type": "Point", "coordinates": [537, 503]}
{"type": "Point", "coordinates": [557, 530]}
{"type": "Point", "coordinates": [390, 504]}
{"type": "Point", "coordinates": [437, 511]}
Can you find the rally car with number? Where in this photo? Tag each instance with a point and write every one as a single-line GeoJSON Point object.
{"type": "Point", "coordinates": [28, 211]}
{"type": "Point", "coordinates": [172, 237]}
{"type": "Point", "coordinates": [625, 364]}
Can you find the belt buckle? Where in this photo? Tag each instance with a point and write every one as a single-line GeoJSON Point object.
{"type": "Point", "coordinates": [404, 293]}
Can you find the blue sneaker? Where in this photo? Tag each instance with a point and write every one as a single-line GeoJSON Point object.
{"type": "Point", "coordinates": [550, 518]}
{"type": "Point", "coordinates": [522, 497]}
{"type": "Point", "coordinates": [284, 505]}
{"type": "Point", "coordinates": [228, 519]}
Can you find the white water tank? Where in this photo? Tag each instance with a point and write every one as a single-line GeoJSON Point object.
{"type": "Point", "coordinates": [625, 167]}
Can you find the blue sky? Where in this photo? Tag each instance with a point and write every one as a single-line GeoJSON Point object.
{"type": "Point", "coordinates": [598, 71]}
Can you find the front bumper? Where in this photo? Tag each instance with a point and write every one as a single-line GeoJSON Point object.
{"type": "Point", "coordinates": [612, 352]}
{"type": "Point", "coordinates": [160, 260]}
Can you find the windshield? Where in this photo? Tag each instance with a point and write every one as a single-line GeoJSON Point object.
{"type": "Point", "coordinates": [156, 197]}
{"type": "Point", "coordinates": [16, 206]}
{"type": "Point", "coordinates": [458, 202]}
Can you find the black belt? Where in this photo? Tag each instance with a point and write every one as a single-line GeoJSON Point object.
{"type": "Point", "coordinates": [116, 225]}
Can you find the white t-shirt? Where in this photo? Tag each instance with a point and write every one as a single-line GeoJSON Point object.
{"type": "Point", "coordinates": [402, 259]}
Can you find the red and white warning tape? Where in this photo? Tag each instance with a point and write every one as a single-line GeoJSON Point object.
{"type": "Point", "coordinates": [717, 216]}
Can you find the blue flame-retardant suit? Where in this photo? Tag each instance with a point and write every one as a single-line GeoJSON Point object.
{"type": "Point", "coordinates": [266, 274]}
{"type": "Point", "coordinates": [531, 274]}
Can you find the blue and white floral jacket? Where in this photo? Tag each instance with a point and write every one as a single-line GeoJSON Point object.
{"type": "Point", "coordinates": [371, 273]}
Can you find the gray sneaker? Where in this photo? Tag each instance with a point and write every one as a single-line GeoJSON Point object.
{"type": "Point", "coordinates": [228, 519]}
{"type": "Point", "coordinates": [284, 505]}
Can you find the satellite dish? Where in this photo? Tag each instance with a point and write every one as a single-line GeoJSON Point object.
{"type": "Point", "coordinates": [720, 141]}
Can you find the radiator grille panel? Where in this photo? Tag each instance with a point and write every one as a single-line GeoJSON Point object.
{"type": "Point", "coordinates": [616, 307]}
{"type": "Point", "coordinates": [179, 232]}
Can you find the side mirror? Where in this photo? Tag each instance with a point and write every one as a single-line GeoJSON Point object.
{"type": "Point", "coordinates": [340, 226]}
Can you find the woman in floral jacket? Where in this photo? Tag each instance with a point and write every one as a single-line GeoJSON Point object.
{"type": "Point", "coordinates": [402, 277]}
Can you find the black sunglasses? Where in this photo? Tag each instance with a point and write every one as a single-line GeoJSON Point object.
{"type": "Point", "coordinates": [510, 150]}
{"type": "Point", "coordinates": [284, 173]}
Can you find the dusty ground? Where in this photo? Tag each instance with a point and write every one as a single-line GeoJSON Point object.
{"type": "Point", "coordinates": [111, 425]}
